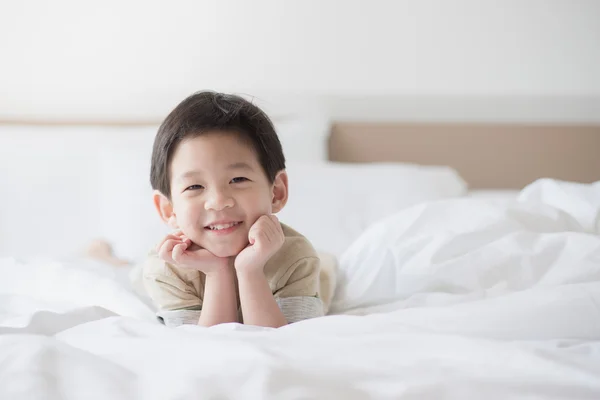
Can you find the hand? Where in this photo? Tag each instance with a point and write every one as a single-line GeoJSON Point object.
{"type": "Point", "coordinates": [177, 249]}
{"type": "Point", "coordinates": [265, 239]}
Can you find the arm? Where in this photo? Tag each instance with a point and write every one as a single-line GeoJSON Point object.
{"type": "Point", "coordinates": [258, 304]}
{"type": "Point", "coordinates": [179, 304]}
{"type": "Point", "coordinates": [178, 301]}
{"type": "Point", "coordinates": [220, 303]}
{"type": "Point", "coordinates": [296, 299]}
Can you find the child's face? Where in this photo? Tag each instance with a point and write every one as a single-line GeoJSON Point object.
{"type": "Point", "coordinates": [219, 189]}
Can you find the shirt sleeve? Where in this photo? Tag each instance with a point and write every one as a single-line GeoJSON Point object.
{"type": "Point", "coordinates": [298, 295]}
{"type": "Point", "coordinates": [175, 297]}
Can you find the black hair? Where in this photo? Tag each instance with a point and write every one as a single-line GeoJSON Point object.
{"type": "Point", "coordinates": [209, 111]}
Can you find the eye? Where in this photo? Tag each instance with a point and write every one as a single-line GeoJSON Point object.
{"type": "Point", "coordinates": [239, 179]}
{"type": "Point", "coordinates": [194, 187]}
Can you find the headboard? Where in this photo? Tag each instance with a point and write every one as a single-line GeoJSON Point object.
{"type": "Point", "coordinates": [488, 156]}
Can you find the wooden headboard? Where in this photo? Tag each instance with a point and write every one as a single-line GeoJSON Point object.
{"type": "Point", "coordinates": [488, 156]}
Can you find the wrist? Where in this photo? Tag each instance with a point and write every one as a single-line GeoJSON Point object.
{"type": "Point", "coordinates": [250, 273]}
{"type": "Point", "coordinates": [225, 271]}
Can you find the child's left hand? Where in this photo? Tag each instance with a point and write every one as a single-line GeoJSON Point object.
{"type": "Point", "coordinates": [265, 239]}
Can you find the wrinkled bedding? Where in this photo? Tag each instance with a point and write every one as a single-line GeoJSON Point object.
{"type": "Point", "coordinates": [457, 298]}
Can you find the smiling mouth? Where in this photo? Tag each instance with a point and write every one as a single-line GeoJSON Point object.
{"type": "Point", "coordinates": [222, 227]}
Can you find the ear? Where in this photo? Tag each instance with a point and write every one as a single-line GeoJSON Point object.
{"type": "Point", "coordinates": [164, 207]}
{"type": "Point", "coordinates": [280, 191]}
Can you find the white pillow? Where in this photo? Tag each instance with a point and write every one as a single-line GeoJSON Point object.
{"type": "Point", "coordinates": [303, 139]}
{"type": "Point", "coordinates": [333, 203]}
{"type": "Point", "coordinates": [301, 124]}
{"type": "Point", "coordinates": [48, 180]}
{"type": "Point", "coordinates": [56, 199]}
{"type": "Point", "coordinates": [128, 220]}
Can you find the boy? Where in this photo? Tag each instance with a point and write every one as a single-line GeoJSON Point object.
{"type": "Point", "coordinates": [218, 174]}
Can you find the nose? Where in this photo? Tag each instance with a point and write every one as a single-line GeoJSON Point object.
{"type": "Point", "coordinates": [218, 199]}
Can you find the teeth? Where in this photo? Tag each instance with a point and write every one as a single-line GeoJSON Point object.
{"type": "Point", "coordinates": [222, 226]}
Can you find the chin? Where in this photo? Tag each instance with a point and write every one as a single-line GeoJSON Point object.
{"type": "Point", "coordinates": [226, 251]}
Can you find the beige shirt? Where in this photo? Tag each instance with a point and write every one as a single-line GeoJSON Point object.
{"type": "Point", "coordinates": [293, 274]}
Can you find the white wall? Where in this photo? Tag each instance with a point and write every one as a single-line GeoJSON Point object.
{"type": "Point", "coordinates": [138, 58]}
{"type": "Point", "coordinates": [115, 59]}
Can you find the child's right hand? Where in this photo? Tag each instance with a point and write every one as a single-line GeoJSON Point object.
{"type": "Point", "coordinates": [177, 249]}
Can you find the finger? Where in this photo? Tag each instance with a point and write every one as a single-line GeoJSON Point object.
{"type": "Point", "coordinates": [261, 220]}
{"type": "Point", "coordinates": [269, 222]}
{"type": "Point", "coordinates": [253, 233]}
{"type": "Point", "coordinates": [273, 222]}
{"type": "Point", "coordinates": [268, 234]}
{"type": "Point", "coordinates": [165, 251]}
{"type": "Point", "coordinates": [253, 228]}
{"type": "Point", "coordinates": [269, 230]}
{"type": "Point", "coordinates": [178, 252]}
{"type": "Point", "coordinates": [181, 236]}
{"type": "Point", "coordinates": [276, 222]}
{"type": "Point", "coordinates": [259, 228]}
{"type": "Point", "coordinates": [162, 242]}
{"type": "Point", "coordinates": [279, 229]}
{"type": "Point", "coordinates": [273, 231]}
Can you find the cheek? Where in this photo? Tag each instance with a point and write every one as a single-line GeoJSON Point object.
{"type": "Point", "coordinates": [187, 214]}
{"type": "Point", "coordinates": [256, 204]}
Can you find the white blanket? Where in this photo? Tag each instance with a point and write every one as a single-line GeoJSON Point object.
{"type": "Point", "coordinates": [467, 327]}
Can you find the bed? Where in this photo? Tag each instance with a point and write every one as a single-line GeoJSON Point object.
{"type": "Point", "coordinates": [468, 261]}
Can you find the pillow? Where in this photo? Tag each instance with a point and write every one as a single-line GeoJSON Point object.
{"type": "Point", "coordinates": [128, 219]}
{"type": "Point", "coordinates": [333, 203]}
{"type": "Point", "coordinates": [301, 124]}
{"type": "Point", "coordinates": [57, 198]}
{"type": "Point", "coordinates": [303, 139]}
{"type": "Point", "coordinates": [49, 180]}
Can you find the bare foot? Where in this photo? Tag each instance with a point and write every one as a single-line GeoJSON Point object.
{"type": "Point", "coordinates": [102, 251]}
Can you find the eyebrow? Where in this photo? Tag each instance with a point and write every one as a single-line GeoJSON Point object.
{"type": "Point", "coordinates": [188, 174]}
{"type": "Point", "coordinates": [240, 165]}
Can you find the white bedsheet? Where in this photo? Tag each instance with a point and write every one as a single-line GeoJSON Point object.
{"type": "Point", "coordinates": [528, 330]}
